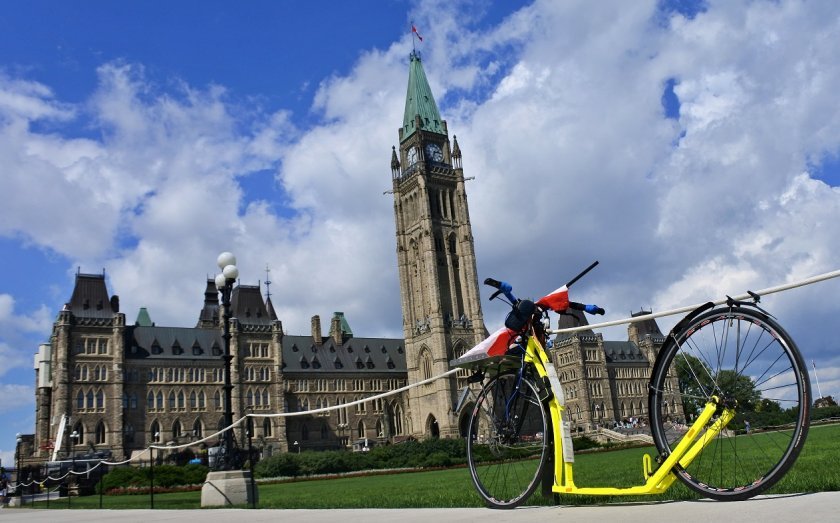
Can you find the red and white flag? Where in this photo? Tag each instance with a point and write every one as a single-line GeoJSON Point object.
{"type": "Point", "coordinates": [414, 30]}
{"type": "Point", "coordinates": [558, 301]}
{"type": "Point", "coordinates": [494, 345]}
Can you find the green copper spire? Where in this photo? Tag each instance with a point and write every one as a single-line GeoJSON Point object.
{"type": "Point", "coordinates": [419, 101]}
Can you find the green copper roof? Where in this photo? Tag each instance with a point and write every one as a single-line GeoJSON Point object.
{"type": "Point", "coordinates": [419, 100]}
{"type": "Point", "coordinates": [143, 318]}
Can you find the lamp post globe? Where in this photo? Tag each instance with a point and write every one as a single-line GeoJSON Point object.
{"type": "Point", "coordinates": [225, 259]}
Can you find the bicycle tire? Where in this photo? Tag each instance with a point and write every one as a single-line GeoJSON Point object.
{"type": "Point", "coordinates": [742, 354]}
{"type": "Point", "coordinates": [507, 441]}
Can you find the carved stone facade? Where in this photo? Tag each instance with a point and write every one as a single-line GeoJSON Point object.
{"type": "Point", "coordinates": [442, 316]}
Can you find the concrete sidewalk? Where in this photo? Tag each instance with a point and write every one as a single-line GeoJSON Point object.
{"type": "Point", "coordinates": [822, 506]}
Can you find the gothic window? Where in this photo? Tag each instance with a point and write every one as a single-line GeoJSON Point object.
{"type": "Point", "coordinates": [154, 432]}
{"type": "Point", "coordinates": [267, 427]}
{"type": "Point", "coordinates": [201, 399]}
{"type": "Point", "coordinates": [89, 399]}
{"type": "Point", "coordinates": [176, 348]}
{"type": "Point", "coordinates": [176, 429]}
{"type": "Point", "coordinates": [193, 401]}
{"type": "Point", "coordinates": [77, 372]}
{"type": "Point", "coordinates": [96, 373]}
{"type": "Point", "coordinates": [249, 401]}
{"type": "Point", "coordinates": [159, 400]}
{"type": "Point", "coordinates": [265, 398]}
{"type": "Point", "coordinates": [171, 400]}
{"type": "Point", "coordinates": [80, 400]}
{"type": "Point", "coordinates": [425, 364]}
{"type": "Point", "coordinates": [100, 399]}
{"type": "Point", "coordinates": [217, 401]}
{"type": "Point", "coordinates": [360, 429]}
{"type": "Point", "coordinates": [198, 430]}
{"type": "Point", "coordinates": [150, 400]}
{"type": "Point", "coordinates": [100, 433]}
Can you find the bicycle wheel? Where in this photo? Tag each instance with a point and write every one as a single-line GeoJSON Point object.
{"type": "Point", "coordinates": [747, 360]}
{"type": "Point", "coordinates": [507, 448]}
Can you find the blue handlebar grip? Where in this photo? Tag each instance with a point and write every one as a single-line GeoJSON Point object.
{"type": "Point", "coordinates": [594, 309]}
{"type": "Point", "coordinates": [506, 288]}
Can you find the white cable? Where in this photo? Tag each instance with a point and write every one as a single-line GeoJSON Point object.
{"type": "Point", "coordinates": [689, 308]}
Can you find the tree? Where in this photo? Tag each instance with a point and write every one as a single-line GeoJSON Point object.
{"type": "Point", "coordinates": [698, 382]}
{"type": "Point", "coordinates": [825, 401]}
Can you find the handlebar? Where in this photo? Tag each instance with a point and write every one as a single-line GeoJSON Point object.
{"type": "Point", "coordinates": [506, 289]}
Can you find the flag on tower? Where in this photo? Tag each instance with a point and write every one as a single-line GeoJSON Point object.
{"type": "Point", "coordinates": [414, 30]}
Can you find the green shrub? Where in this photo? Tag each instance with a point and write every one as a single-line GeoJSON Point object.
{"type": "Point", "coordinates": [165, 476]}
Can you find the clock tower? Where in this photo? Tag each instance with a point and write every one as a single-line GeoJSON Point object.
{"type": "Point", "coordinates": [442, 316]}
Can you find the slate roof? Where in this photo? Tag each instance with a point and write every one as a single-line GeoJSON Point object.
{"type": "Point", "coordinates": [247, 306]}
{"type": "Point", "coordinates": [90, 297]}
{"type": "Point", "coordinates": [173, 343]}
{"type": "Point", "coordinates": [623, 353]}
{"type": "Point", "coordinates": [385, 355]}
{"type": "Point", "coordinates": [570, 319]}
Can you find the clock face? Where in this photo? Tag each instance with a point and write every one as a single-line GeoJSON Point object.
{"type": "Point", "coordinates": [433, 152]}
{"type": "Point", "coordinates": [411, 155]}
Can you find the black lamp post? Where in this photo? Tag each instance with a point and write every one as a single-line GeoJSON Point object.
{"type": "Point", "coordinates": [224, 284]}
{"type": "Point", "coordinates": [18, 489]}
{"type": "Point", "coordinates": [74, 437]}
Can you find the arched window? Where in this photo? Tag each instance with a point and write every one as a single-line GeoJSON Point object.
{"type": "Point", "coordinates": [100, 433]}
{"type": "Point", "coordinates": [198, 430]}
{"type": "Point", "coordinates": [217, 401]}
{"type": "Point", "coordinates": [90, 399]}
{"type": "Point", "coordinates": [267, 427]}
{"type": "Point", "coordinates": [80, 400]}
{"type": "Point", "coordinates": [181, 399]}
{"type": "Point", "coordinates": [154, 432]}
{"type": "Point", "coordinates": [265, 398]}
{"type": "Point", "coordinates": [159, 400]}
{"type": "Point", "coordinates": [201, 399]}
{"type": "Point", "coordinates": [193, 400]}
{"type": "Point", "coordinates": [176, 429]}
{"type": "Point", "coordinates": [360, 429]}
{"type": "Point", "coordinates": [249, 398]}
{"type": "Point", "coordinates": [171, 400]}
{"type": "Point", "coordinates": [100, 399]}
{"type": "Point", "coordinates": [425, 364]}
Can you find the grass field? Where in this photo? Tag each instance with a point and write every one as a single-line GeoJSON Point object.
{"type": "Point", "coordinates": [817, 469]}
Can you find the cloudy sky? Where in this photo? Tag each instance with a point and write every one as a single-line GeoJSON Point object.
{"type": "Point", "coordinates": [692, 147]}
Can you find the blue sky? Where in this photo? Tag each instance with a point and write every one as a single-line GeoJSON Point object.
{"type": "Point", "coordinates": [691, 147]}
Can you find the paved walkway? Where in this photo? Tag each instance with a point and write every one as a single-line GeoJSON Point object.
{"type": "Point", "coordinates": [822, 506]}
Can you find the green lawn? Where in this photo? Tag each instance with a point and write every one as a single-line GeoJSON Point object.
{"type": "Point", "coordinates": [817, 469]}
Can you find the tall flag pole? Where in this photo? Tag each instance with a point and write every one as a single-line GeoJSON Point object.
{"type": "Point", "coordinates": [816, 378]}
{"type": "Point", "coordinates": [414, 34]}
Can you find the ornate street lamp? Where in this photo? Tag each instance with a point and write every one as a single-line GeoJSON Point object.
{"type": "Point", "coordinates": [18, 489]}
{"type": "Point", "coordinates": [224, 284]}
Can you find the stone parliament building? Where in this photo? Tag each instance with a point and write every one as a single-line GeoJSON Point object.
{"type": "Point", "coordinates": [124, 386]}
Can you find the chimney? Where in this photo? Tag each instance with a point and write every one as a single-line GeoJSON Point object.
{"type": "Point", "coordinates": [335, 330]}
{"type": "Point", "coordinates": [316, 329]}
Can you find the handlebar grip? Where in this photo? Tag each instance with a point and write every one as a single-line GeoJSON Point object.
{"type": "Point", "coordinates": [493, 283]}
{"type": "Point", "coordinates": [590, 309]}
